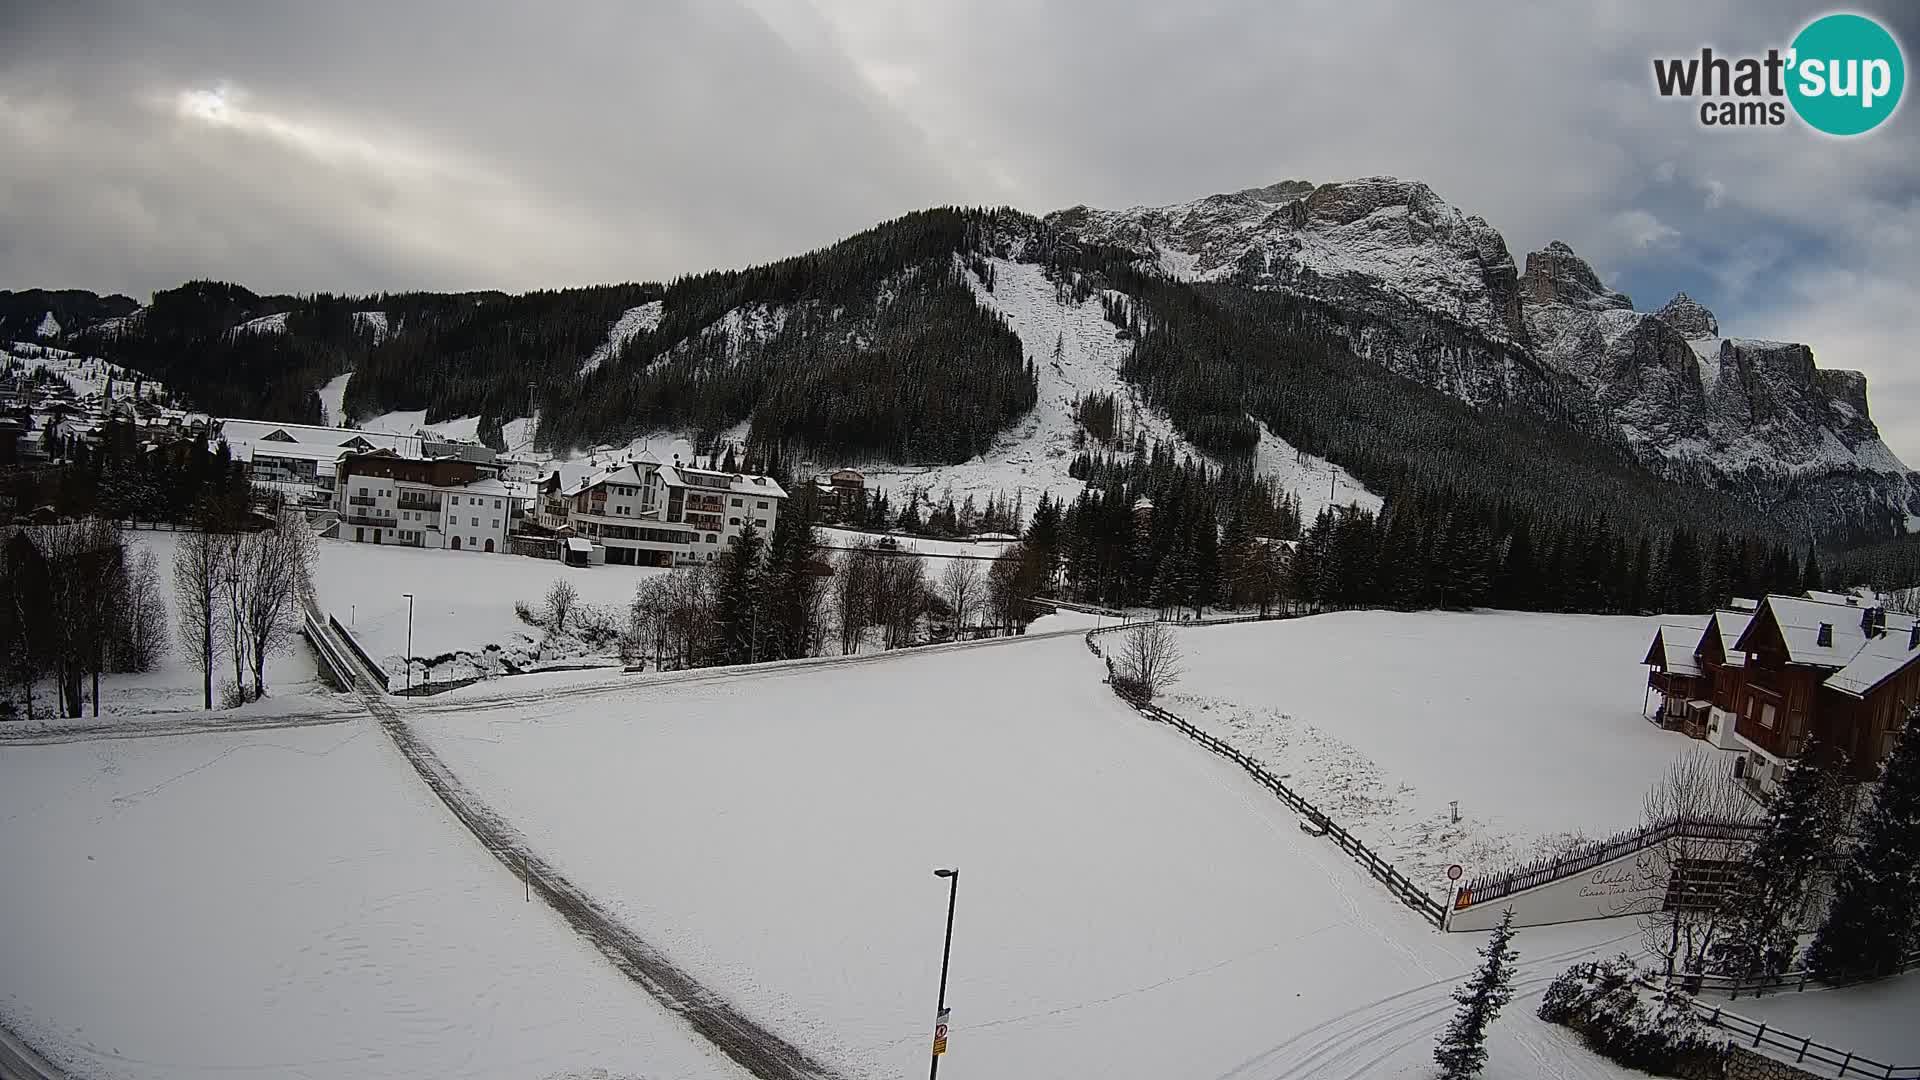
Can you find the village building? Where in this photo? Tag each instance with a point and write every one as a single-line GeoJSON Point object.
{"type": "Point", "coordinates": [1832, 667]}
{"type": "Point", "coordinates": [384, 498]}
{"type": "Point", "coordinates": [644, 513]}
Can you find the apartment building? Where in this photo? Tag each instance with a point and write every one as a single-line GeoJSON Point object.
{"type": "Point", "coordinates": [644, 513]}
{"type": "Point", "coordinates": [447, 503]}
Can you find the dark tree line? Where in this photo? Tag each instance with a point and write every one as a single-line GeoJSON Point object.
{"type": "Point", "coordinates": [75, 603]}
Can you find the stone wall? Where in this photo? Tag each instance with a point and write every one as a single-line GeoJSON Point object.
{"type": "Point", "coordinates": [1745, 1064]}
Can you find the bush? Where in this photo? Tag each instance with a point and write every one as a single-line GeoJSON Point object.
{"type": "Point", "coordinates": [232, 696]}
{"type": "Point", "coordinates": [1655, 1031]}
{"type": "Point", "coordinates": [525, 611]}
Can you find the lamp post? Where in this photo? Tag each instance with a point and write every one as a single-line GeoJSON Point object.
{"type": "Point", "coordinates": [409, 656]}
{"type": "Point", "coordinates": [946, 953]}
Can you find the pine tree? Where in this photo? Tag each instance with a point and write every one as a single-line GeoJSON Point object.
{"type": "Point", "coordinates": [1462, 1051]}
{"type": "Point", "coordinates": [1810, 577]}
{"type": "Point", "coordinates": [1770, 888]}
{"type": "Point", "coordinates": [1870, 925]}
{"type": "Point", "coordinates": [736, 611]}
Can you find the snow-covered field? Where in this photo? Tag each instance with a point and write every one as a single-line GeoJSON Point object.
{"type": "Point", "coordinates": [1532, 722]}
{"type": "Point", "coordinates": [463, 600]}
{"type": "Point", "coordinates": [1130, 906]}
{"type": "Point", "coordinates": [290, 904]}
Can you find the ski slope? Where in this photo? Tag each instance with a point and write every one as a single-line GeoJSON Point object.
{"type": "Point", "coordinates": [293, 903]}
{"type": "Point", "coordinates": [1077, 353]}
{"type": "Point", "coordinates": [1532, 722]}
{"type": "Point", "coordinates": [1130, 906]}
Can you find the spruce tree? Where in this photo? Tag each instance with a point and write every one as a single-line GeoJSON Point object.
{"type": "Point", "coordinates": [736, 607]}
{"type": "Point", "coordinates": [1462, 1051]}
{"type": "Point", "coordinates": [1769, 891]}
{"type": "Point", "coordinates": [1870, 925]}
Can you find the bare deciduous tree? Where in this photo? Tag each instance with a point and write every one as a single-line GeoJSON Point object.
{"type": "Point", "coordinates": [276, 566]}
{"type": "Point", "coordinates": [961, 584]}
{"type": "Point", "coordinates": [1150, 658]}
{"type": "Point", "coordinates": [143, 615]}
{"type": "Point", "coordinates": [199, 566]}
{"type": "Point", "coordinates": [1689, 920]}
{"type": "Point", "coordinates": [852, 594]}
{"type": "Point", "coordinates": [562, 598]}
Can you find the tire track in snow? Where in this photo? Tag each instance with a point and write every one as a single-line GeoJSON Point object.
{"type": "Point", "coordinates": [756, 1049]}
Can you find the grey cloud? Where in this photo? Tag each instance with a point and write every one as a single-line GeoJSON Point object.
{"type": "Point", "coordinates": [606, 140]}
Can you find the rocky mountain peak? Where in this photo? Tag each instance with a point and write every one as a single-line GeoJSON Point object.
{"type": "Point", "coordinates": [1689, 317]}
{"type": "Point", "coordinates": [1555, 275]}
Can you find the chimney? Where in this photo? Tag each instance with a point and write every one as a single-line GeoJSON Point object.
{"type": "Point", "coordinates": [1824, 638]}
{"type": "Point", "coordinates": [1872, 621]}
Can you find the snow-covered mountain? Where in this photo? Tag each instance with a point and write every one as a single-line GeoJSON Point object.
{"type": "Point", "coordinates": [1434, 293]}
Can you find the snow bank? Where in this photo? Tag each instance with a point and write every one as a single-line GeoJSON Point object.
{"type": "Point", "coordinates": [1130, 906]}
{"type": "Point", "coordinates": [290, 903]}
{"type": "Point", "coordinates": [1382, 719]}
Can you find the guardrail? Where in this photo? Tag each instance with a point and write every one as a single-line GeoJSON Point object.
{"type": "Point", "coordinates": [1403, 890]}
{"type": "Point", "coordinates": [367, 666]}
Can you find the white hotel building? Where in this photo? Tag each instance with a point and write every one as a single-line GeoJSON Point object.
{"type": "Point", "coordinates": [644, 513]}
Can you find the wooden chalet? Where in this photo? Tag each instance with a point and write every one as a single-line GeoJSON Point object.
{"type": "Point", "coordinates": [1841, 670]}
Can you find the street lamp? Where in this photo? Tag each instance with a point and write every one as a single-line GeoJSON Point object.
{"type": "Point", "coordinates": [946, 953]}
{"type": "Point", "coordinates": [409, 656]}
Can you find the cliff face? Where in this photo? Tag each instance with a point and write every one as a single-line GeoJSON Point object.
{"type": "Point", "coordinates": [1433, 293]}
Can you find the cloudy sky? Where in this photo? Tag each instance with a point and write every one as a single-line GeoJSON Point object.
{"type": "Point", "coordinates": [359, 146]}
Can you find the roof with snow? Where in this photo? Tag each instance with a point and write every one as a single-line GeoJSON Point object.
{"type": "Point", "coordinates": [1673, 646]}
{"type": "Point", "coordinates": [1859, 661]}
{"type": "Point", "coordinates": [242, 435]}
{"type": "Point", "coordinates": [1882, 658]}
{"type": "Point", "coordinates": [1800, 620]}
{"type": "Point", "coordinates": [1729, 625]}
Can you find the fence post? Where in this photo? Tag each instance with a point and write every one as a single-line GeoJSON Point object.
{"type": "Point", "coordinates": [1716, 1016]}
{"type": "Point", "coordinates": [1758, 1034]}
{"type": "Point", "coordinates": [1805, 1042]}
{"type": "Point", "coordinates": [1847, 1063]}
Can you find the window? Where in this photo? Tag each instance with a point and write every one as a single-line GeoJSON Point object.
{"type": "Point", "coordinates": [761, 505]}
{"type": "Point", "coordinates": [456, 500]}
{"type": "Point", "coordinates": [496, 523]}
{"type": "Point", "coordinates": [712, 539]}
{"type": "Point", "coordinates": [363, 491]}
{"type": "Point", "coordinates": [736, 502]}
{"type": "Point", "coordinates": [476, 523]}
{"type": "Point", "coordinates": [1766, 717]}
{"type": "Point", "coordinates": [733, 521]}
{"type": "Point", "coordinates": [759, 523]}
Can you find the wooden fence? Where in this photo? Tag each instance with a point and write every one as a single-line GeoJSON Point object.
{"type": "Point", "coordinates": [1798, 1049]}
{"type": "Point", "coordinates": [1482, 890]}
{"type": "Point", "coordinates": [1795, 981]}
{"type": "Point", "coordinates": [1383, 871]}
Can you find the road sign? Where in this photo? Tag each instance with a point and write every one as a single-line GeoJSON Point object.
{"type": "Point", "coordinates": [940, 1033]}
{"type": "Point", "coordinates": [1454, 872]}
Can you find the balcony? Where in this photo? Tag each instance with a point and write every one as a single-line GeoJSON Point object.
{"type": "Point", "coordinates": [368, 519]}
{"type": "Point", "coordinates": [420, 504]}
{"type": "Point", "coordinates": [362, 500]}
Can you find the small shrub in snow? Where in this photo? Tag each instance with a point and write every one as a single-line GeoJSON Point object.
{"type": "Point", "coordinates": [525, 611]}
{"type": "Point", "coordinates": [1652, 1030]}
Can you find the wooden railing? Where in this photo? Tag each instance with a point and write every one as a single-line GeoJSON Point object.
{"type": "Point", "coordinates": [1795, 1049]}
{"type": "Point", "coordinates": [1481, 890]}
{"type": "Point", "coordinates": [1311, 816]}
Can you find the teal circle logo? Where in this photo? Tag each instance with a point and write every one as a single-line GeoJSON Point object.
{"type": "Point", "coordinates": [1846, 75]}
